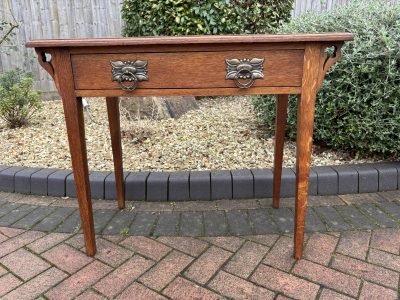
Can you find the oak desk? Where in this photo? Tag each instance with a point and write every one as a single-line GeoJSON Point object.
{"type": "Point", "coordinates": [196, 66]}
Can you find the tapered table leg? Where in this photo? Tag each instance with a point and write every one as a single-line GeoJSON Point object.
{"type": "Point", "coordinates": [73, 111]}
{"type": "Point", "coordinates": [115, 131]}
{"type": "Point", "coordinates": [305, 124]}
{"type": "Point", "coordinates": [280, 124]}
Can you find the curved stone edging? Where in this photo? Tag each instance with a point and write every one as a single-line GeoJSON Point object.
{"type": "Point", "coordinates": [204, 185]}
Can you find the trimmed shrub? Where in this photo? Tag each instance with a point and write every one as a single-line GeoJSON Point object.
{"type": "Point", "coordinates": [358, 106]}
{"type": "Point", "coordinates": [18, 102]}
{"type": "Point", "coordinates": [184, 17]}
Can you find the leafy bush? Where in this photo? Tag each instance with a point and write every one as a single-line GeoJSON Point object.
{"type": "Point", "coordinates": [183, 17]}
{"type": "Point", "coordinates": [358, 107]}
{"type": "Point", "coordinates": [18, 102]}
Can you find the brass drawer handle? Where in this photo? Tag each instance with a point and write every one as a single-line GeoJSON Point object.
{"type": "Point", "coordinates": [244, 71]}
{"type": "Point", "coordinates": [130, 72]}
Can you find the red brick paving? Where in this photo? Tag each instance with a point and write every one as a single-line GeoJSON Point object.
{"type": "Point", "coordinates": [255, 267]}
{"type": "Point", "coordinates": [348, 265]}
{"type": "Point", "coordinates": [67, 258]}
{"type": "Point", "coordinates": [207, 264]}
{"type": "Point", "coordinates": [79, 281]}
{"type": "Point", "coordinates": [139, 292]}
{"type": "Point", "coordinates": [37, 285]}
{"type": "Point", "coordinates": [238, 288]}
{"type": "Point", "coordinates": [228, 243]}
{"type": "Point", "coordinates": [246, 259]}
{"type": "Point", "coordinates": [386, 240]}
{"type": "Point", "coordinates": [366, 271]}
{"type": "Point", "coordinates": [182, 289]}
{"type": "Point", "coordinates": [47, 242]}
{"type": "Point", "coordinates": [354, 243]}
{"type": "Point", "coordinates": [187, 245]}
{"type": "Point", "coordinates": [376, 292]}
{"type": "Point", "coordinates": [283, 282]}
{"type": "Point", "coordinates": [24, 264]}
{"type": "Point", "coordinates": [7, 283]}
{"type": "Point", "coordinates": [110, 253]}
{"type": "Point", "coordinates": [328, 294]}
{"type": "Point", "coordinates": [281, 255]}
{"type": "Point", "coordinates": [384, 259]}
{"type": "Point", "coordinates": [328, 277]}
{"type": "Point", "coordinates": [123, 276]}
{"type": "Point", "coordinates": [165, 271]}
{"type": "Point", "coordinates": [320, 247]}
{"type": "Point", "coordinates": [146, 246]}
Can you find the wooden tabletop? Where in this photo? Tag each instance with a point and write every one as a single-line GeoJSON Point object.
{"type": "Point", "coordinates": [198, 39]}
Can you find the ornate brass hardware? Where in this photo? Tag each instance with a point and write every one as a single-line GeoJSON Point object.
{"type": "Point", "coordinates": [131, 72]}
{"type": "Point", "coordinates": [244, 71]}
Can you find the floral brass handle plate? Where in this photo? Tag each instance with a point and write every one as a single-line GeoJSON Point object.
{"type": "Point", "coordinates": [129, 73]}
{"type": "Point", "coordinates": [244, 71]}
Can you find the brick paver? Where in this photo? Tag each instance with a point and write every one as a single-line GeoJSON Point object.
{"type": "Point", "coordinates": [37, 285]}
{"type": "Point", "coordinates": [166, 270]}
{"type": "Point", "coordinates": [246, 259]}
{"type": "Point", "coordinates": [375, 292]}
{"type": "Point", "coordinates": [79, 281]}
{"type": "Point", "coordinates": [281, 255]}
{"type": "Point", "coordinates": [183, 289]}
{"type": "Point", "coordinates": [354, 243]}
{"type": "Point", "coordinates": [320, 248]}
{"type": "Point", "coordinates": [207, 264]}
{"type": "Point", "coordinates": [238, 288]}
{"type": "Point", "coordinates": [288, 284]}
{"type": "Point", "coordinates": [328, 277]}
{"type": "Point", "coordinates": [67, 258]}
{"type": "Point", "coordinates": [122, 276]}
{"type": "Point", "coordinates": [351, 264]}
{"type": "Point", "coordinates": [24, 264]}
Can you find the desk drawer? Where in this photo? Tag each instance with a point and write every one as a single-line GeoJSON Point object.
{"type": "Point", "coordinates": [188, 70]}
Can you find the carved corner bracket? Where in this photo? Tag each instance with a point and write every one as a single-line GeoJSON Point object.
{"type": "Point", "coordinates": [46, 64]}
{"type": "Point", "coordinates": [327, 60]}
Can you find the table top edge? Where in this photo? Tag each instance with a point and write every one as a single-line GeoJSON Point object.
{"type": "Point", "coordinates": [200, 39]}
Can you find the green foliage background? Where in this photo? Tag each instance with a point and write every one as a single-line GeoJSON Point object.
{"type": "Point", "coordinates": [358, 107]}
{"type": "Point", "coordinates": [18, 101]}
{"type": "Point", "coordinates": [195, 17]}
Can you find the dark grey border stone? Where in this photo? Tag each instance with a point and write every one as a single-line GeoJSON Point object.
{"type": "Point", "coordinates": [347, 179]}
{"type": "Point", "coordinates": [327, 180]}
{"type": "Point", "coordinates": [7, 178]}
{"type": "Point", "coordinates": [263, 183]}
{"type": "Point", "coordinates": [200, 185]}
{"type": "Point", "coordinates": [221, 185]}
{"type": "Point", "coordinates": [157, 186]}
{"type": "Point", "coordinates": [39, 181]}
{"type": "Point", "coordinates": [135, 186]}
{"type": "Point", "coordinates": [368, 178]}
{"type": "Point", "coordinates": [22, 180]}
{"type": "Point", "coordinates": [242, 184]}
{"type": "Point", "coordinates": [178, 186]}
{"type": "Point", "coordinates": [204, 185]}
{"type": "Point", "coordinates": [56, 183]}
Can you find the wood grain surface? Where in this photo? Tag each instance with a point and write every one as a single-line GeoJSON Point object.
{"type": "Point", "coordinates": [188, 70]}
{"type": "Point", "coordinates": [198, 39]}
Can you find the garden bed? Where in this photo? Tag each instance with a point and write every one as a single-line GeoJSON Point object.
{"type": "Point", "coordinates": [222, 134]}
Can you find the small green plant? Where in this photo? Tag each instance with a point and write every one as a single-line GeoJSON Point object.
{"type": "Point", "coordinates": [184, 17]}
{"type": "Point", "coordinates": [18, 100]}
{"type": "Point", "coordinates": [358, 106]}
{"type": "Point", "coordinates": [124, 231]}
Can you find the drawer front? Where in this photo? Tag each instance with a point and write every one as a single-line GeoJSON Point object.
{"type": "Point", "coordinates": [188, 70]}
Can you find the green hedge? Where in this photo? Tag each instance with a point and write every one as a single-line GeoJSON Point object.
{"type": "Point", "coordinates": [358, 107]}
{"type": "Point", "coordinates": [194, 17]}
